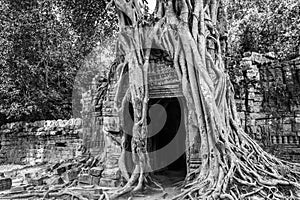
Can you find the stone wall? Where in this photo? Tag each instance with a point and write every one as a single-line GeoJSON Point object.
{"type": "Point", "coordinates": [92, 117]}
{"type": "Point", "coordinates": [268, 101]}
{"type": "Point", "coordinates": [41, 141]}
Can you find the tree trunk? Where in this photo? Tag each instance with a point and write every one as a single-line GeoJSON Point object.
{"type": "Point", "coordinates": [233, 166]}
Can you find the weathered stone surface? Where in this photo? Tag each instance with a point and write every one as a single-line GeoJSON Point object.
{"type": "Point", "coordinates": [71, 175]}
{"type": "Point", "coordinates": [37, 142]}
{"type": "Point", "coordinates": [96, 171]}
{"type": "Point", "coordinates": [85, 179]}
{"type": "Point", "coordinates": [36, 181]}
{"type": "Point", "coordinates": [114, 174]}
{"type": "Point", "coordinates": [18, 189]}
{"type": "Point", "coordinates": [266, 88]}
{"type": "Point", "coordinates": [61, 170]}
{"type": "Point", "coordinates": [95, 180]}
{"type": "Point", "coordinates": [5, 183]}
{"type": "Point", "coordinates": [105, 182]}
{"type": "Point", "coordinates": [54, 180]}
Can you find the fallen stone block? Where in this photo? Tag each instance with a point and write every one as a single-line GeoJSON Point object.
{"type": "Point", "coordinates": [71, 175]}
{"type": "Point", "coordinates": [114, 174]}
{"type": "Point", "coordinates": [105, 182]}
{"type": "Point", "coordinates": [98, 191]}
{"type": "Point", "coordinates": [95, 180]}
{"type": "Point", "coordinates": [54, 180]}
{"type": "Point", "coordinates": [85, 179]}
{"type": "Point", "coordinates": [18, 189]}
{"type": "Point", "coordinates": [61, 170]}
{"type": "Point", "coordinates": [36, 181]}
{"type": "Point", "coordinates": [5, 184]}
{"type": "Point", "coordinates": [96, 171]}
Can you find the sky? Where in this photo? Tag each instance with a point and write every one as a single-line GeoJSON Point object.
{"type": "Point", "coordinates": [151, 4]}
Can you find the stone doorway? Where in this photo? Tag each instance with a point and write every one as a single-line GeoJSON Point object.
{"type": "Point", "coordinates": [166, 140]}
{"type": "Point", "coordinates": [167, 136]}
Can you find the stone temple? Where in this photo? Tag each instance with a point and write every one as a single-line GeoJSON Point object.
{"type": "Point", "coordinates": [267, 94]}
{"type": "Point", "coordinates": [275, 125]}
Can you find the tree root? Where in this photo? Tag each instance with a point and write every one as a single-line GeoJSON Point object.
{"type": "Point", "coordinates": [49, 195]}
{"type": "Point", "coordinates": [233, 166]}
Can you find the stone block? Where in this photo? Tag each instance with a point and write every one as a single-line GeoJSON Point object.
{"type": "Point", "coordinates": [256, 109]}
{"type": "Point", "coordinates": [104, 182]}
{"type": "Point", "coordinates": [96, 171]}
{"type": "Point", "coordinates": [287, 120]}
{"type": "Point", "coordinates": [285, 139]}
{"type": "Point", "coordinates": [251, 95]}
{"type": "Point", "coordinates": [71, 175]}
{"type": "Point", "coordinates": [60, 170]}
{"type": "Point", "coordinates": [85, 179]}
{"type": "Point", "coordinates": [250, 103]}
{"type": "Point", "coordinates": [17, 189]}
{"type": "Point", "coordinates": [5, 184]}
{"type": "Point", "coordinates": [253, 75]}
{"type": "Point", "coordinates": [296, 127]}
{"type": "Point", "coordinates": [287, 127]}
{"type": "Point", "coordinates": [112, 162]}
{"type": "Point", "coordinates": [260, 122]}
{"type": "Point", "coordinates": [114, 174]}
{"type": "Point", "coordinates": [54, 180]}
{"type": "Point", "coordinates": [95, 180]}
{"type": "Point", "coordinates": [36, 181]}
{"type": "Point", "coordinates": [253, 89]}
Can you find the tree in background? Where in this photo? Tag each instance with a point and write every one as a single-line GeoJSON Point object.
{"type": "Point", "coordinates": [264, 26]}
{"type": "Point", "coordinates": [42, 45]}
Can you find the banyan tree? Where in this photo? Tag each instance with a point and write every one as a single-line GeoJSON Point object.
{"type": "Point", "coordinates": [191, 34]}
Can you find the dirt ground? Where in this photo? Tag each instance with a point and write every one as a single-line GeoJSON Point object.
{"type": "Point", "coordinates": [169, 180]}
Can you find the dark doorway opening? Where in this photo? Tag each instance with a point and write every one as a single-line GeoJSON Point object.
{"type": "Point", "coordinates": [166, 141]}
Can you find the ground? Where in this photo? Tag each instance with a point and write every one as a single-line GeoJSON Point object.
{"type": "Point", "coordinates": [170, 181]}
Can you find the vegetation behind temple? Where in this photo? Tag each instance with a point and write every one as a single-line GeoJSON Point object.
{"type": "Point", "coordinates": [264, 26]}
{"type": "Point", "coordinates": [44, 43]}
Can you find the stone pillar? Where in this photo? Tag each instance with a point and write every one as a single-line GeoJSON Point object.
{"type": "Point", "coordinates": [297, 140]}
{"type": "Point", "coordinates": [285, 140]}
{"type": "Point", "coordinates": [279, 139]}
{"type": "Point", "coordinates": [274, 139]}
{"type": "Point", "coordinates": [291, 139]}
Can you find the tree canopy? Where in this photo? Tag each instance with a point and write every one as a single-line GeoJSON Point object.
{"type": "Point", "coordinates": [42, 45]}
{"type": "Point", "coordinates": [264, 26]}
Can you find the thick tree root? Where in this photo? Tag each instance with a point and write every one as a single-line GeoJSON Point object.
{"type": "Point", "coordinates": [233, 166]}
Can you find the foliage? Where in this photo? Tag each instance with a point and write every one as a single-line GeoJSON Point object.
{"type": "Point", "coordinates": [42, 45]}
{"type": "Point", "coordinates": [265, 26]}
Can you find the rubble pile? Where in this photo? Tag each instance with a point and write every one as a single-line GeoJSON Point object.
{"type": "Point", "coordinates": [84, 177]}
